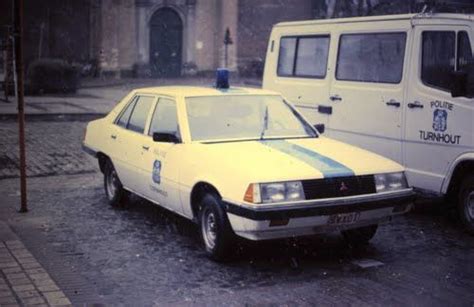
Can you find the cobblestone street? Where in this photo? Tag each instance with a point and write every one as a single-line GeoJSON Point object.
{"type": "Point", "coordinates": [144, 255]}
{"type": "Point", "coordinates": [53, 148]}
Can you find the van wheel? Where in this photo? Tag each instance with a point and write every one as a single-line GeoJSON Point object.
{"type": "Point", "coordinates": [216, 232]}
{"type": "Point", "coordinates": [117, 196]}
{"type": "Point", "coordinates": [359, 236]}
{"type": "Point", "coordinates": [466, 203]}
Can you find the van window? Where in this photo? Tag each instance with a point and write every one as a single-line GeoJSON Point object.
{"type": "Point", "coordinates": [286, 57]}
{"type": "Point", "coordinates": [464, 51]}
{"type": "Point", "coordinates": [372, 57]}
{"type": "Point", "coordinates": [140, 114]}
{"type": "Point", "coordinates": [304, 56]}
{"type": "Point", "coordinates": [437, 63]}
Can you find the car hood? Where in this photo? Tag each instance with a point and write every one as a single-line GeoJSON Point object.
{"type": "Point", "coordinates": [292, 159]}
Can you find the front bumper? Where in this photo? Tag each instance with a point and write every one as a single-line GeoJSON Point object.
{"type": "Point", "coordinates": [254, 222]}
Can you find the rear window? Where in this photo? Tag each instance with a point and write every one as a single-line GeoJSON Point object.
{"type": "Point", "coordinates": [303, 56]}
{"type": "Point", "coordinates": [372, 57]}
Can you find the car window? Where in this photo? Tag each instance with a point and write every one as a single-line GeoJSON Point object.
{"type": "Point", "coordinates": [122, 121]}
{"type": "Point", "coordinates": [164, 119]}
{"type": "Point", "coordinates": [140, 113]}
{"type": "Point", "coordinates": [371, 57]}
{"type": "Point", "coordinates": [464, 51]}
{"type": "Point", "coordinates": [304, 56]}
{"type": "Point", "coordinates": [438, 58]}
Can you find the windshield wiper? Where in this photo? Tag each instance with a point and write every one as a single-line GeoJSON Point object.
{"type": "Point", "coordinates": [265, 123]}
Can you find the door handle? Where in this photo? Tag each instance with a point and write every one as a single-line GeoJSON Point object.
{"type": "Point", "coordinates": [393, 103]}
{"type": "Point", "coordinates": [113, 136]}
{"type": "Point", "coordinates": [146, 147]}
{"type": "Point", "coordinates": [335, 98]}
{"type": "Point", "coordinates": [415, 104]}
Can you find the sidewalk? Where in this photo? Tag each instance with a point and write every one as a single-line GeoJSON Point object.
{"type": "Point", "coordinates": [96, 97]}
{"type": "Point", "coordinates": [23, 281]}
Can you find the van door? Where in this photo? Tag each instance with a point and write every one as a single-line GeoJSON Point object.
{"type": "Point", "coordinates": [367, 92]}
{"type": "Point", "coordinates": [297, 66]}
{"type": "Point", "coordinates": [438, 127]}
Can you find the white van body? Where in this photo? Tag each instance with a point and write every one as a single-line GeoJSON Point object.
{"type": "Point", "coordinates": [382, 83]}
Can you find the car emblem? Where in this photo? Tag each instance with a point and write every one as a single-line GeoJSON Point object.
{"type": "Point", "coordinates": [343, 187]}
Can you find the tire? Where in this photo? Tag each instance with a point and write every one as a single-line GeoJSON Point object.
{"type": "Point", "coordinates": [359, 236]}
{"type": "Point", "coordinates": [466, 203]}
{"type": "Point", "coordinates": [216, 232]}
{"type": "Point", "coordinates": [117, 196]}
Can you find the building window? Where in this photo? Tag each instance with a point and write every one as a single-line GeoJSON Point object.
{"type": "Point", "coordinates": [374, 57]}
{"type": "Point", "coordinates": [304, 56]}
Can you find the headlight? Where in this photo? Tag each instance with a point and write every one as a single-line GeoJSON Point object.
{"type": "Point", "coordinates": [274, 192]}
{"type": "Point", "coordinates": [390, 182]}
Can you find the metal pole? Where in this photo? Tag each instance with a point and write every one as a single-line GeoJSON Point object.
{"type": "Point", "coordinates": [18, 36]}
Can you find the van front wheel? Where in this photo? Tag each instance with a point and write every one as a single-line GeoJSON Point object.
{"type": "Point", "coordinates": [466, 203]}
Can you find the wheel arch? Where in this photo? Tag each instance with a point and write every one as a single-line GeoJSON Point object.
{"type": "Point", "coordinates": [102, 158]}
{"type": "Point", "coordinates": [197, 192]}
{"type": "Point", "coordinates": [461, 168]}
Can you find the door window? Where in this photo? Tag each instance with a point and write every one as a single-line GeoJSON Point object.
{"type": "Point", "coordinates": [464, 51]}
{"type": "Point", "coordinates": [372, 57]}
{"type": "Point", "coordinates": [304, 56]}
{"type": "Point", "coordinates": [438, 58]}
{"type": "Point", "coordinates": [164, 119]}
{"type": "Point", "coordinates": [140, 113]}
{"type": "Point", "coordinates": [123, 119]}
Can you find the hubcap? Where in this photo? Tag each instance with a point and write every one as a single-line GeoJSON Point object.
{"type": "Point", "coordinates": [209, 228]}
{"type": "Point", "coordinates": [112, 183]}
{"type": "Point", "coordinates": [470, 205]}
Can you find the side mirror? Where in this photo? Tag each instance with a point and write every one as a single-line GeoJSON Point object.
{"type": "Point", "coordinates": [320, 128]}
{"type": "Point", "coordinates": [165, 138]}
{"type": "Point", "coordinates": [459, 84]}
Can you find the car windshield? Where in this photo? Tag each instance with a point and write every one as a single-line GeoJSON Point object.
{"type": "Point", "coordinates": [240, 117]}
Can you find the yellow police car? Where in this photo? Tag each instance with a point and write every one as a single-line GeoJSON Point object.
{"type": "Point", "coordinates": [243, 162]}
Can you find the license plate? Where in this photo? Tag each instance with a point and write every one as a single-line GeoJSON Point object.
{"type": "Point", "coordinates": [343, 218]}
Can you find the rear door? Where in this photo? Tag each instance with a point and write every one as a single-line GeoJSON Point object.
{"type": "Point", "coordinates": [439, 127]}
{"type": "Point", "coordinates": [367, 92]}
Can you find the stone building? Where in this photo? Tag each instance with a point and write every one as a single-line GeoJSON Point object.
{"type": "Point", "coordinates": [171, 38]}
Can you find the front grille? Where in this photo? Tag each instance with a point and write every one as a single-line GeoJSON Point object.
{"type": "Point", "coordinates": [338, 186]}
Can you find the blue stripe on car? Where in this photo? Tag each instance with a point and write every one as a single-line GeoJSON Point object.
{"type": "Point", "coordinates": [325, 165]}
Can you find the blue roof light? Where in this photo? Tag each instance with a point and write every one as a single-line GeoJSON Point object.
{"type": "Point", "coordinates": [222, 78]}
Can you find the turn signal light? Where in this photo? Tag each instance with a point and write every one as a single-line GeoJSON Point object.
{"type": "Point", "coordinates": [252, 194]}
{"type": "Point", "coordinates": [248, 197]}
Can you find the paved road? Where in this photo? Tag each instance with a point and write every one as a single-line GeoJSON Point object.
{"type": "Point", "coordinates": [145, 255]}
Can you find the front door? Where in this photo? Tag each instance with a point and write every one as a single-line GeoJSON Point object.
{"type": "Point", "coordinates": [438, 127]}
{"type": "Point", "coordinates": [166, 32]}
{"type": "Point", "coordinates": [367, 92]}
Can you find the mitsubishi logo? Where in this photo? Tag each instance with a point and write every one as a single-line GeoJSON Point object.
{"type": "Point", "coordinates": [343, 187]}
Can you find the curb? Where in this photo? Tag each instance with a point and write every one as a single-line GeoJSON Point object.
{"type": "Point", "coordinates": [23, 281]}
{"type": "Point", "coordinates": [56, 117]}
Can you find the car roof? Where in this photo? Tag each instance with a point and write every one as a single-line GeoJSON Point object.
{"type": "Point", "coordinates": [198, 91]}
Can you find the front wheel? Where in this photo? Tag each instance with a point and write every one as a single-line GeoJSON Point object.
{"type": "Point", "coordinates": [116, 194]}
{"type": "Point", "coordinates": [216, 232]}
{"type": "Point", "coordinates": [466, 203]}
{"type": "Point", "coordinates": [360, 236]}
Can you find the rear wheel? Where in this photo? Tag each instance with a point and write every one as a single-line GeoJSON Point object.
{"type": "Point", "coordinates": [360, 236]}
{"type": "Point", "coordinates": [466, 203]}
{"type": "Point", "coordinates": [116, 194]}
{"type": "Point", "coordinates": [216, 232]}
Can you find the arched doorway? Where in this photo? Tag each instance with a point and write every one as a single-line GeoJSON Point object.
{"type": "Point", "coordinates": [166, 38]}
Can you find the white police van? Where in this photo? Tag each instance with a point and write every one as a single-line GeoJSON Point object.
{"type": "Point", "coordinates": [399, 85]}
